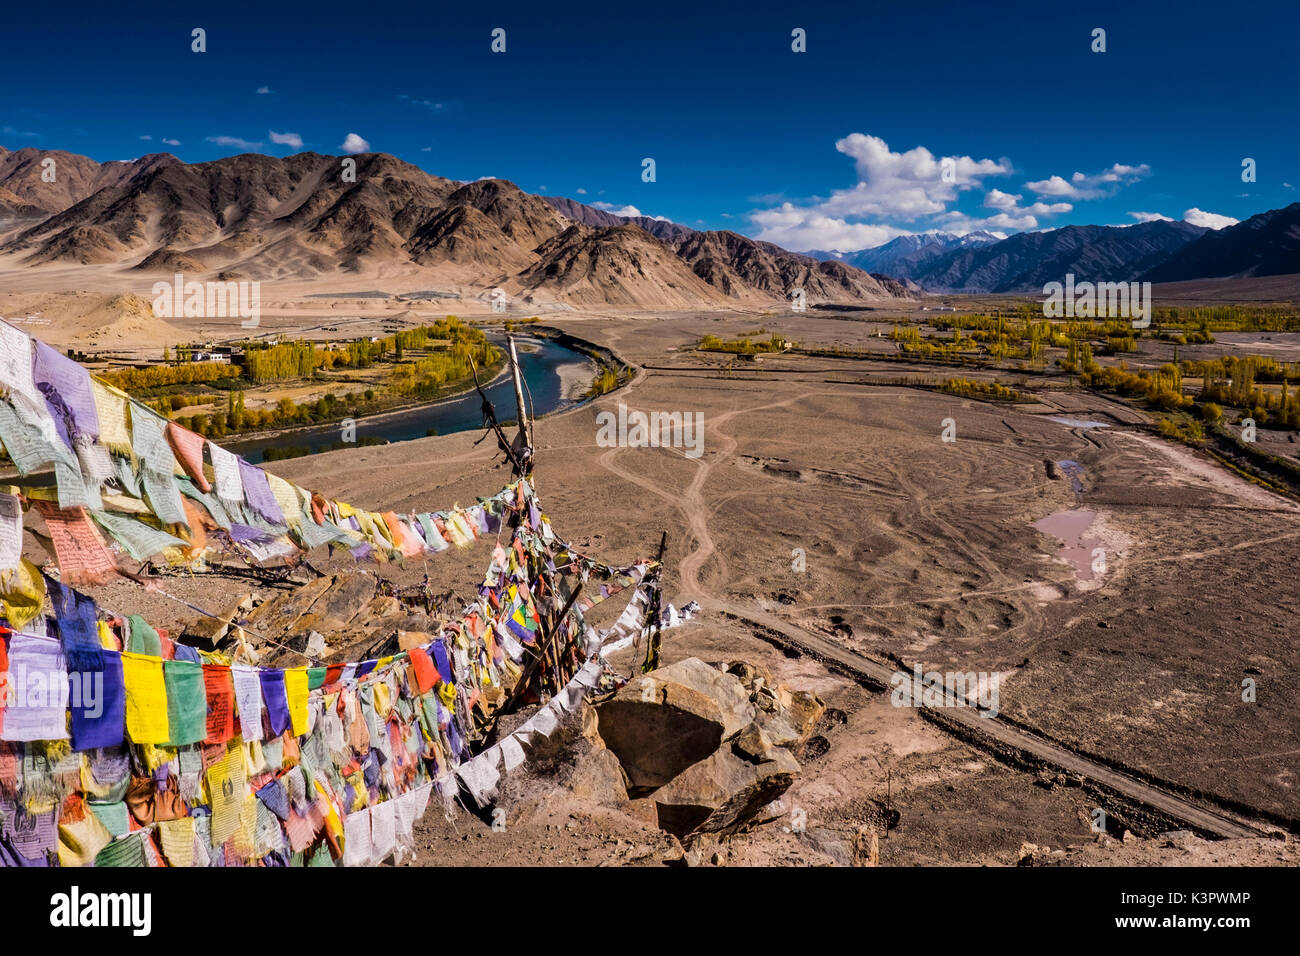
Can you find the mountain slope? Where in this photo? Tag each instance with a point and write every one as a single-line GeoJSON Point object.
{"type": "Point", "coordinates": [263, 217]}
{"type": "Point", "coordinates": [22, 173]}
{"type": "Point", "coordinates": [1029, 260]}
{"type": "Point", "coordinates": [614, 265]}
{"type": "Point", "coordinates": [591, 216]}
{"type": "Point", "coordinates": [907, 256]}
{"type": "Point", "coordinates": [1264, 245]}
{"type": "Point", "coordinates": [745, 268]}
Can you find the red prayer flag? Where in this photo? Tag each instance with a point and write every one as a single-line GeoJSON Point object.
{"type": "Point", "coordinates": [221, 711]}
{"type": "Point", "coordinates": [426, 675]}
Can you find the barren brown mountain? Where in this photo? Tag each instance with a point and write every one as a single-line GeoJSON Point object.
{"type": "Point", "coordinates": [305, 216]}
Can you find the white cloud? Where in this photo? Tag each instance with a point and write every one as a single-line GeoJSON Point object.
{"type": "Point", "coordinates": [1105, 183]}
{"type": "Point", "coordinates": [617, 210]}
{"type": "Point", "coordinates": [353, 144]}
{"type": "Point", "coordinates": [234, 141]}
{"type": "Point", "coordinates": [426, 149]}
{"type": "Point", "coordinates": [1150, 217]}
{"type": "Point", "coordinates": [1009, 204]}
{"type": "Point", "coordinates": [581, 191]}
{"type": "Point", "coordinates": [263, 90]}
{"type": "Point", "coordinates": [171, 142]}
{"type": "Point", "coordinates": [292, 140]}
{"type": "Point", "coordinates": [960, 223]}
{"type": "Point", "coordinates": [1287, 186]}
{"type": "Point", "coordinates": [903, 185]}
{"type": "Point", "coordinates": [627, 211]}
{"type": "Point", "coordinates": [146, 137]}
{"type": "Point", "coordinates": [797, 228]}
{"type": "Point", "coordinates": [1211, 220]}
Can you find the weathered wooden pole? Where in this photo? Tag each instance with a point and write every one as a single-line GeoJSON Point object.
{"type": "Point", "coordinates": [517, 374]}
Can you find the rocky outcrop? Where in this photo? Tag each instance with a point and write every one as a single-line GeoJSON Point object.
{"type": "Point", "coordinates": [707, 745]}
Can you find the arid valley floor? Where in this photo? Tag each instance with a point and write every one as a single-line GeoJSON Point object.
{"type": "Point", "coordinates": [915, 551]}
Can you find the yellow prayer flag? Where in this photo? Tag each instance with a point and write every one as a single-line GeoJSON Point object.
{"type": "Point", "coordinates": [80, 842]}
{"type": "Point", "coordinates": [295, 690]}
{"type": "Point", "coordinates": [382, 700]}
{"type": "Point", "coordinates": [226, 788]}
{"type": "Point", "coordinates": [22, 593]}
{"type": "Point", "coordinates": [287, 497]}
{"type": "Point", "coordinates": [146, 699]}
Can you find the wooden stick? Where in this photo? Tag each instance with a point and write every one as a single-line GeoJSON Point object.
{"type": "Point", "coordinates": [519, 393]}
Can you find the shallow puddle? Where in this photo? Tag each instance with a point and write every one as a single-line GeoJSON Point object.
{"type": "Point", "coordinates": [1075, 472]}
{"type": "Point", "coordinates": [1076, 549]}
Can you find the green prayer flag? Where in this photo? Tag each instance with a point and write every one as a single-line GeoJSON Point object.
{"type": "Point", "coordinates": [187, 702]}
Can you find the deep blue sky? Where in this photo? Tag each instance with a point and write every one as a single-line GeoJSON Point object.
{"type": "Point", "coordinates": [744, 132]}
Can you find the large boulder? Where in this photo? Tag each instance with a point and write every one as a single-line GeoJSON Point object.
{"type": "Point", "coordinates": [658, 728]}
{"type": "Point", "coordinates": [725, 689]}
{"type": "Point", "coordinates": [723, 792]}
{"type": "Point", "coordinates": [707, 746]}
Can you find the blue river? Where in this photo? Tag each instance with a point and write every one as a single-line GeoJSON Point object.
{"type": "Point", "coordinates": [540, 359]}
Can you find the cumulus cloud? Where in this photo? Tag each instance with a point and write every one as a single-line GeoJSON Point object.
{"type": "Point", "coordinates": [581, 191]}
{"type": "Point", "coordinates": [897, 186]}
{"type": "Point", "coordinates": [798, 228]}
{"type": "Point", "coordinates": [626, 211]}
{"type": "Point", "coordinates": [903, 185]}
{"type": "Point", "coordinates": [960, 223]}
{"type": "Point", "coordinates": [1150, 217]}
{"type": "Point", "coordinates": [1211, 220]}
{"type": "Point", "coordinates": [292, 140]}
{"type": "Point", "coordinates": [353, 144]}
{"type": "Point", "coordinates": [234, 141]}
{"type": "Point", "coordinates": [616, 210]}
{"type": "Point", "coordinates": [171, 142]}
{"type": "Point", "coordinates": [1098, 185]}
{"type": "Point", "coordinates": [263, 90]}
{"type": "Point", "coordinates": [1008, 205]}
{"type": "Point", "coordinates": [146, 137]}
